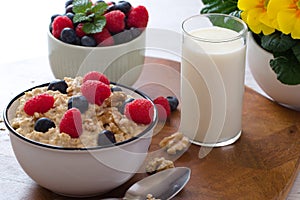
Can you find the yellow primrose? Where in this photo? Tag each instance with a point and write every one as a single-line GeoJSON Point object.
{"type": "Point", "coordinates": [254, 13]}
{"type": "Point", "coordinates": [287, 14]}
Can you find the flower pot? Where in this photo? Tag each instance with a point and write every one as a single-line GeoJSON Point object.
{"type": "Point", "coordinates": [258, 62]}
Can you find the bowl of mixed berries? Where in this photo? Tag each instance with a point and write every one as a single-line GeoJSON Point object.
{"type": "Point", "coordinates": [102, 36]}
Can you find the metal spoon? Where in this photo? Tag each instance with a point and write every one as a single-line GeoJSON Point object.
{"type": "Point", "coordinates": [163, 185]}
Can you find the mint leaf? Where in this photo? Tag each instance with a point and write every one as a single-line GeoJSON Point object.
{"type": "Point", "coordinates": [80, 6]}
{"type": "Point", "coordinates": [277, 42]}
{"type": "Point", "coordinates": [296, 50]}
{"type": "Point", "coordinates": [94, 27]}
{"type": "Point", "coordinates": [99, 8]}
{"type": "Point", "coordinates": [287, 68]}
{"type": "Point", "coordinates": [91, 15]}
{"type": "Point", "coordinates": [81, 17]}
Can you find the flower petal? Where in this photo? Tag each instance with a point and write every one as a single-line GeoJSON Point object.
{"type": "Point", "coordinates": [246, 4]}
{"type": "Point", "coordinates": [286, 21]}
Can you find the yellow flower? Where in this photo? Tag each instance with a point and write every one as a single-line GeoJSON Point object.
{"type": "Point", "coordinates": [287, 15]}
{"type": "Point", "coordinates": [254, 13]}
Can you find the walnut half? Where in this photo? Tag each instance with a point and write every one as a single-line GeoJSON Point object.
{"type": "Point", "coordinates": [174, 143]}
{"type": "Point", "coordinates": [158, 164]}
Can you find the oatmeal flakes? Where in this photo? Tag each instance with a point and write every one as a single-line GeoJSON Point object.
{"type": "Point", "coordinates": [159, 164]}
{"type": "Point", "coordinates": [94, 120]}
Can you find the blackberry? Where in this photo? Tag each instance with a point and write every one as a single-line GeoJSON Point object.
{"type": "Point", "coordinates": [58, 85]}
{"type": "Point", "coordinates": [43, 125]}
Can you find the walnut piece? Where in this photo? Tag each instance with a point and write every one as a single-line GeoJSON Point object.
{"type": "Point", "coordinates": [159, 164]}
{"type": "Point", "coordinates": [150, 197]}
{"type": "Point", "coordinates": [174, 143]}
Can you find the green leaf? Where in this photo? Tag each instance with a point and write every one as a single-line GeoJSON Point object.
{"type": "Point", "coordinates": [219, 6]}
{"type": "Point", "coordinates": [277, 42]}
{"type": "Point", "coordinates": [80, 6]}
{"type": "Point", "coordinates": [99, 8]}
{"type": "Point", "coordinates": [296, 50]}
{"type": "Point", "coordinates": [94, 27]}
{"type": "Point", "coordinates": [226, 22]}
{"type": "Point", "coordinates": [287, 68]}
{"type": "Point", "coordinates": [81, 17]}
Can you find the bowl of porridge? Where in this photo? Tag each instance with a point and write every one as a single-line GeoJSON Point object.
{"type": "Point", "coordinates": [80, 136]}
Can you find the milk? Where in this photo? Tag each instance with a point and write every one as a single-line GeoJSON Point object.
{"type": "Point", "coordinates": [212, 87]}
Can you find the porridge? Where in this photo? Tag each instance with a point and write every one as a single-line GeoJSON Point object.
{"type": "Point", "coordinates": [80, 126]}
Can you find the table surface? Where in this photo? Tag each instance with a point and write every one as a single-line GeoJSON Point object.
{"type": "Point", "coordinates": [23, 60]}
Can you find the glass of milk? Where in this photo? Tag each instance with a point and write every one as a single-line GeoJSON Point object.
{"type": "Point", "coordinates": [212, 79]}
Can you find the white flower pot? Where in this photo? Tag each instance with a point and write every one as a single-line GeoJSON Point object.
{"type": "Point", "coordinates": [258, 62]}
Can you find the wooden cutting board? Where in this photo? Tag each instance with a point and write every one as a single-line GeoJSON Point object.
{"type": "Point", "coordinates": [262, 164]}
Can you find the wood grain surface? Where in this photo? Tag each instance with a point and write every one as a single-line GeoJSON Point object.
{"type": "Point", "coordinates": [262, 164]}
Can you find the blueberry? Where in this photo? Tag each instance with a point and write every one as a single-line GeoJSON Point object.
{"type": "Point", "coordinates": [54, 16]}
{"type": "Point", "coordinates": [123, 6]}
{"type": "Point", "coordinates": [78, 41]}
{"type": "Point", "coordinates": [59, 85]}
{"type": "Point", "coordinates": [122, 107]}
{"type": "Point", "coordinates": [68, 35]}
{"type": "Point", "coordinates": [88, 41]}
{"type": "Point", "coordinates": [173, 102]}
{"type": "Point", "coordinates": [106, 137]}
{"type": "Point", "coordinates": [43, 125]}
{"type": "Point", "coordinates": [111, 8]}
{"type": "Point", "coordinates": [69, 8]}
{"type": "Point", "coordinates": [79, 102]}
{"type": "Point", "coordinates": [116, 89]}
{"type": "Point", "coordinates": [123, 37]}
{"type": "Point", "coordinates": [70, 15]}
{"type": "Point", "coordinates": [69, 2]}
{"type": "Point", "coordinates": [135, 32]}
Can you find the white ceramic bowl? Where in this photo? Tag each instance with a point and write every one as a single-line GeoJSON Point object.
{"type": "Point", "coordinates": [121, 63]}
{"type": "Point", "coordinates": [80, 172]}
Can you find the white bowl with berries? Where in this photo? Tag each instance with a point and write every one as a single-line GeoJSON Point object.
{"type": "Point", "coordinates": [81, 136]}
{"type": "Point", "coordinates": [106, 37]}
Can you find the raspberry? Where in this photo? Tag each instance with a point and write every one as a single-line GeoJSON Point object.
{"type": "Point", "coordinates": [40, 103]}
{"type": "Point", "coordinates": [59, 23]}
{"type": "Point", "coordinates": [163, 107]}
{"type": "Point", "coordinates": [95, 91]}
{"type": "Point", "coordinates": [71, 123]}
{"type": "Point", "coordinates": [138, 17]}
{"type": "Point", "coordinates": [104, 38]}
{"type": "Point", "coordinates": [94, 75]}
{"type": "Point", "coordinates": [79, 30]}
{"type": "Point", "coordinates": [115, 21]}
{"type": "Point", "coordinates": [140, 111]}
